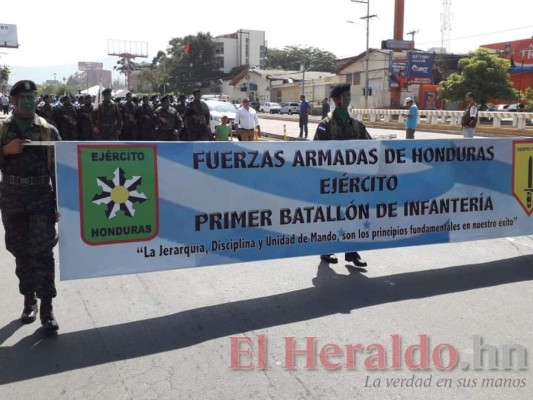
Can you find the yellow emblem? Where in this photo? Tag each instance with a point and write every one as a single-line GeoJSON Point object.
{"type": "Point", "coordinates": [523, 174]}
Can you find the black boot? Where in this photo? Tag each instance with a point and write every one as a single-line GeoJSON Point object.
{"type": "Point", "coordinates": [29, 313]}
{"type": "Point", "coordinates": [47, 316]}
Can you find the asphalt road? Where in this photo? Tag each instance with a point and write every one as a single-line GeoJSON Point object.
{"type": "Point", "coordinates": [168, 335]}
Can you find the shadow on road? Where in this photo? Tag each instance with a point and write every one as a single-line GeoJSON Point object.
{"type": "Point", "coordinates": [331, 293]}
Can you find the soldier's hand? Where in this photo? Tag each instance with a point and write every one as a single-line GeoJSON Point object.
{"type": "Point", "coordinates": [16, 146]}
{"type": "Point", "coordinates": [163, 121]}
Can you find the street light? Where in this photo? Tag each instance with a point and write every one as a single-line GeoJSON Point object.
{"type": "Point", "coordinates": [367, 17]}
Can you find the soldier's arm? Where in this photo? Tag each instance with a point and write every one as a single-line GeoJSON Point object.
{"type": "Point", "coordinates": [322, 132]}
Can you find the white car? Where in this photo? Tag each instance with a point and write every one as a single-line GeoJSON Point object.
{"type": "Point", "coordinates": [218, 109]}
{"type": "Point", "coordinates": [290, 107]}
{"type": "Point", "coordinates": [270, 107]}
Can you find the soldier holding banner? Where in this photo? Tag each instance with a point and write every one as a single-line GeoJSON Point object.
{"type": "Point", "coordinates": [28, 203]}
{"type": "Point", "coordinates": [339, 125]}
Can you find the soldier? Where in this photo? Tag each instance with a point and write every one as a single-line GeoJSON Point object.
{"type": "Point", "coordinates": [146, 120]}
{"type": "Point", "coordinates": [339, 125]}
{"type": "Point", "coordinates": [181, 107]}
{"type": "Point", "coordinates": [46, 110]}
{"type": "Point", "coordinates": [109, 118]}
{"type": "Point", "coordinates": [28, 204]}
{"type": "Point", "coordinates": [129, 127]}
{"type": "Point", "coordinates": [197, 120]}
{"type": "Point", "coordinates": [85, 119]}
{"type": "Point", "coordinates": [169, 123]}
{"type": "Point", "coordinates": [66, 120]}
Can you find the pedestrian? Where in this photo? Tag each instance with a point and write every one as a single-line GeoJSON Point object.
{"type": "Point", "coordinates": [469, 119]}
{"type": "Point", "coordinates": [411, 120]}
{"type": "Point", "coordinates": [223, 131]}
{"type": "Point", "coordinates": [5, 104]}
{"type": "Point", "coordinates": [28, 203]}
{"type": "Point", "coordinates": [305, 110]}
{"type": "Point", "coordinates": [325, 107]}
{"type": "Point", "coordinates": [247, 121]}
{"type": "Point", "coordinates": [109, 118]}
{"type": "Point", "coordinates": [339, 125]}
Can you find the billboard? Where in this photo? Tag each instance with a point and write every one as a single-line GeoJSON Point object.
{"type": "Point", "coordinates": [519, 52]}
{"type": "Point", "coordinates": [8, 36]}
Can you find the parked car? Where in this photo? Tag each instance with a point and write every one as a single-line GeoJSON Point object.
{"type": "Point", "coordinates": [515, 107]}
{"type": "Point", "coordinates": [217, 109]}
{"type": "Point", "coordinates": [290, 107]}
{"type": "Point", "coordinates": [270, 107]}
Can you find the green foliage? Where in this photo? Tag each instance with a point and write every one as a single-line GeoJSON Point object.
{"type": "Point", "coordinates": [527, 99]}
{"type": "Point", "coordinates": [483, 73]}
{"type": "Point", "coordinates": [185, 71]}
{"type": "Point", "coordinates": [4, 74]}
{"type": "Point", "coordinates": [292, 57]}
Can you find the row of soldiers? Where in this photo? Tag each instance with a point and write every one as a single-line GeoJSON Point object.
{"type": "Point", "coordinates": [128, 120]}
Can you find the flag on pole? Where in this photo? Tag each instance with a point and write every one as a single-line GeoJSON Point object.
{"type": "Point", "coordinates": [187, 48]}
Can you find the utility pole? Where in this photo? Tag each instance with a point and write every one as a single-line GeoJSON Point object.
{"type": "Point", "coordinates": [412, 33]}
{"type": "Point", "coordinates": [367, 17]}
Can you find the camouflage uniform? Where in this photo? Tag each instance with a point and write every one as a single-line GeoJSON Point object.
{"type": "Point", "coordinates": [129, 127]}
{"type": "Point", "coordinates": [334, 128]}
{"type": "Point", "coordinates": [197, 122]}
{"type": "Point", "coordinates": [28, 206]}
{"type": "Point", "coordinates": [66, 121]}
{"type": "Point", "coordinates": [85, 122]}
{"type": "Point", "coordinates": [109, 120]}
{"type": "Point", "coordinates": [339, 125]}
{"type": "Point", "coordinates": [146, 121]}
{"type": "Point", "coordinates": [47, 112]}
{"type": "Point", "coordinates": [169, 124]}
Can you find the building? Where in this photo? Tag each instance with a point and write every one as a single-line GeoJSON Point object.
{"type": "Point", "coordinates": [244, 47]}
{"type": "Point", "coordinates": [277, 85]}
{"type": "Point", "coordinates": [520, 53]}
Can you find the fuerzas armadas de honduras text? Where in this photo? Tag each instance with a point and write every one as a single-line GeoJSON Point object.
{"type": "Point", "coordinates": [346, 184]}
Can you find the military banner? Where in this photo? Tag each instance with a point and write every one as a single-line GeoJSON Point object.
{"type": "Point", "coordinates": [134, 207]}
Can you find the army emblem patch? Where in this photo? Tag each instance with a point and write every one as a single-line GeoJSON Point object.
{"type": "Point", "coordinates": [118, 193]}
{"type": "Point", "coordinates": [523, 174]}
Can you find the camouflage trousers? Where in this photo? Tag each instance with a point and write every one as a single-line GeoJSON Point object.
{"type": "Point", "coordinates": [28, 215]}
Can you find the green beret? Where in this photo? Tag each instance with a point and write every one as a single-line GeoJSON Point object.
{"type": "Point", "coordinates": [22, 87]}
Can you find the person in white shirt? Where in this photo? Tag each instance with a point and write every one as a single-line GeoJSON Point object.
{"type": "Point", "coordinates": [247, 121]}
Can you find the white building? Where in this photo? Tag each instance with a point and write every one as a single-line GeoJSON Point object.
{"type": "Point", "coordinates": [244, 47]}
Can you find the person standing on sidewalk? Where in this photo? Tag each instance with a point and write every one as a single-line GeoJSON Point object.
{"type": "Point", "coordinates": [339, 125]}
{"type": "Point", "coordinates": [411, 118]}
{"type": "Point", "coordinates": [305, 110]}
{"type": "Point", "coordinates": [28, 202]}
{"type": "Point", "coordinates": [247, 121]}
{"type": "Point", "coordinates": [469, 119]}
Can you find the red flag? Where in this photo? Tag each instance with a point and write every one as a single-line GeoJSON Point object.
{"type": "Point", "coordinates": [187, 48]}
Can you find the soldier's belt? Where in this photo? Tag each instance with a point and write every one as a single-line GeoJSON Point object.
{"type": "Point", "coordinates": [25, 180]}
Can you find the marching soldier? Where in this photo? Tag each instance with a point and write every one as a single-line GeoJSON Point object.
{"type": "Point", "coordinates": [146, 120]}
{"type": "Point", "coordinates": [47, 110]}
{"type": "Point", "coordinates": [169, 123]}
{"type": "Point", "coordinates": [66, 120]}
{"type": "Point", "coordinates": [197, 120]}
{"type": "Point", "coordinates": [129, 127]}
{"type": "Point", "coordinates": [85, 118]}
{"type": "Point", "coordinates": [109, 118]}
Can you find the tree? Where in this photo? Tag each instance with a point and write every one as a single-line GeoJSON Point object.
{"type": "Point", "coordinates": [188, 63]}
{"type": "Point", "coordinates": [483, 73]}
{"type": "Point", "coordinates": [293, 57]}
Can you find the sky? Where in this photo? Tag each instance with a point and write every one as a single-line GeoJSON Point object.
{"type": "Point", "coordinates": [65, 32]}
